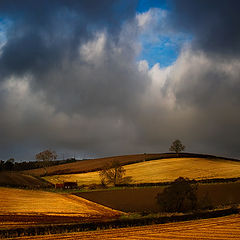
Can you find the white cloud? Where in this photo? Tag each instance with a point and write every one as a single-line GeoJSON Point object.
{"type": "Point", "coordinates": [151, 19]}
{"type": "Point", "coordinates": [143, 66]}
{"type": "Point", "coordinates": [143, 19]}
{"type": "Point", "coordinates": [93, 50]}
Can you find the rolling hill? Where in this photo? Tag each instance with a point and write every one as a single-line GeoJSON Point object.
{"type": "Point", "coordinates": [18, 201]}
{"type": "Point", "coordinates": [163, 170]}
{"type": "Point", "coordinates": [90, 165]}
{"type": "Point", "coordinates": [16, 179]}
{"type": "Point", "coordinates": [33, 207]}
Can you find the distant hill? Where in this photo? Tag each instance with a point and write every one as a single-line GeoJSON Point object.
{"type": "Point", "coordinates": [16, 179]}
{"type": "Point", "coordinates": [91, 165]}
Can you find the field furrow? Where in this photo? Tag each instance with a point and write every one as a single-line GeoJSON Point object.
{"type": "Point", "coordinates": [224, 228]}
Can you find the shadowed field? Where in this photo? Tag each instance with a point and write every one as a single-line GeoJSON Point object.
{"type": "Point", "coordinates": [163, 170]}
{"type": "Point", "coordinates": [29, 207]}
{"type": "Point", "coordinates": [143, 199]}
{"type": "Point", "coordinates": [16, 179]}
{"type": "Point", "coordinates": [222, 228]}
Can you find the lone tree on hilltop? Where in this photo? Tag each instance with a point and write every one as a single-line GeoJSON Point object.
{"type": "Point", "coordinates": [112, 173]}
{"type": "Point", "coordinates": [46, 156]}
{"type": "Point", "coordinates": [177, 147]}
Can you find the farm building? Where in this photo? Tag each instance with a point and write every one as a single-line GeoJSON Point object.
{"type": "Point", "coordinates": [66, 185]}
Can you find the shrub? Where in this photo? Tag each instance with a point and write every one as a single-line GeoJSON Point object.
{"type": "Point", "coordinates": [180, 196]}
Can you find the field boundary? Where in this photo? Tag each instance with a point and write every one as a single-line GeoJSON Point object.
{"type": "Point", "coordinates": [209, 180]}
{"type": "Point", "coordinates": [119, 223]}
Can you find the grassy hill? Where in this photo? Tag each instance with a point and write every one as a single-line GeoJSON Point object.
{"type": "Point", "coordinates": [164, 170]}
{"type": "Point", "coordinates": [90, 165]}
{"type": "Point", "coordinates": [16, 179]}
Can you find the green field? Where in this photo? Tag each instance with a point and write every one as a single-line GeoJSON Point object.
{"type": "Point", "coordinates": [163, 170]}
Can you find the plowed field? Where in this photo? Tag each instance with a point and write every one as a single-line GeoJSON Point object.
{"type": "Point", "coordinates": [219, 194]}
{"type": "Point", "coordinates": [223, 228]}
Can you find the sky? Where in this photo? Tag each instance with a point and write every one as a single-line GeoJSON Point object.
{"type": "Point", "coordinates": [101, 78]}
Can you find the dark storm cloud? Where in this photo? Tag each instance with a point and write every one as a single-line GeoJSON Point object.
{"type": "Point", "coordinates": [41, 33]}
{"type": "Point", "coordinates": [208, 79]}
{"type": "Point", "coordinates": [44, 38]}
{"type": "Point", "coordinates": [69, 79]}
{"type": "Point", "coordinates": [214, 24]}
{"type": "Point", "coordinates": [68, 75]}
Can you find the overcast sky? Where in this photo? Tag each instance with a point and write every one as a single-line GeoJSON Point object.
{"type": "Point", "coordinates": [112, 77]}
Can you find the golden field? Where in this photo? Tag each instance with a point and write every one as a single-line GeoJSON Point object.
{"type": "Point", "coordinates": [24, 207]}
{"type": "Point", "coordinates": [222, 228]}
{"type": "Point", "coordinates": [163, 170]}
{"type": "Point", "coordinates": [92, 164]}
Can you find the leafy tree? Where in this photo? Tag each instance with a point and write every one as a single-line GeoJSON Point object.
{"type": "Point", "coordinates": [112, 173]}
{"type": "Point", "coordinates": [46, 156]}
{"type": "Point", "coordinates": [177, 147]}
{"type": "Point", "coordinates": [180, 196]}
{"type": "Point", "coordinates": [9, 164]}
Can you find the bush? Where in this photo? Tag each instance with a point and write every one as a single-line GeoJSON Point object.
{"type": "Point", "coordinates": [180, 196]}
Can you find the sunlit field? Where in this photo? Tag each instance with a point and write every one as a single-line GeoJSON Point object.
{"type": "Point", "coordinates": [92, 164]}
{"type": "Point", "coordinates": [163, 170]}
{"type": "Point", "coordinates": [20, 207]}
{"type": "Point", "coordinates": [222, 228]}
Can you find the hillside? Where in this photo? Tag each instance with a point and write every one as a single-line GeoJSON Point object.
{"type": "Point", "coordinates": [164, 170]}
{"type": "Point", "coordinates": [90, 165]}
{"type": "Point", "coordinates": [16, 179]}
{"type": "Point", "coordinates": [30, 207]}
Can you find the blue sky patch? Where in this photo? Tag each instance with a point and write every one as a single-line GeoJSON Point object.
{"type": "Point", "coordinates": [145, 5]}
{"type": "Point", "coordinates": [160, 44]}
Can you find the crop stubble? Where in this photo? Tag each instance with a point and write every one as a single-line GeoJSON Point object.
{"type": "Point", "coordinates": [222, 228]}
{"type": "Point", "coordinates": [163, 170]}
{"type": "Point", "coordinates": [31, 207]}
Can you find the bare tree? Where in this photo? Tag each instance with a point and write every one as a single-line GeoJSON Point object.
{"type": "Point", "coordinates": [177, 147]}
{"type": "Point", "coordinates": [46, 156]}
{"type": "Point", "coordinates": [112, 173]}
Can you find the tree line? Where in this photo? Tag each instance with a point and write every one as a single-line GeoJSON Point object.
{"type": "Point", "coordinates": [11, 165]}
